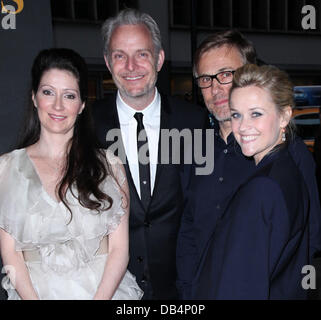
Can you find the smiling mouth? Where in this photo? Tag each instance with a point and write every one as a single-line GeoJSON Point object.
{"type": "Point", "coordinates": [246, 139]}
{"type": "Point", "coordinates": [56, 117]}
{"type": "Point", "coordinates": [133, 78]}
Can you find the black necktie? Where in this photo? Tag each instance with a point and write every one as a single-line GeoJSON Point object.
{"type": "Point", "coordinates": [143, 160]}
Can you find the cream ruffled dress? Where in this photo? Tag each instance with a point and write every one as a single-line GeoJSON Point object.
{"type": "Point", "coordinates": [63, 259]}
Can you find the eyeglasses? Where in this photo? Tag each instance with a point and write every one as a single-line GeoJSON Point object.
{"type": "Point", "coordinates": [223, 77]}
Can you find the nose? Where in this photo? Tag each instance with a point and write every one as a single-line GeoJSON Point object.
{"type": "Point", "coordinates": [131, 63]}
{"type": "Point", "coordinates": [244, 124]}
{"type": "Point", "coordinates": [216, 86]}
{"type": "Point", "coordinates": [59, 103]}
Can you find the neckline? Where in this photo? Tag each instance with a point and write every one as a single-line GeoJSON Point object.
{"type": "Point", "coordinates": [47, 196]}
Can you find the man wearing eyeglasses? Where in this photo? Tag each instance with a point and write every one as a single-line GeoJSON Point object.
{"type": "Point", "coordinates": [206, 197]}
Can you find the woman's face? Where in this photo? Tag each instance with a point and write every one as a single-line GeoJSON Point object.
{"type": "Point", "coordinates": [58, 102]}
{"type": "Point", "coordinates": [256, 123]}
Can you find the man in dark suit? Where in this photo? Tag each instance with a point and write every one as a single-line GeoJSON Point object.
{"type": "Point", "coordinates": [206, 197]}
{"type": "Point", "coordinates": [134, 55]}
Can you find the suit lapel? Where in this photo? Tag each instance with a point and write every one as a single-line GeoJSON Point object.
{"type": "Point", "coordinates": [112, 121]}
{"type": "Point", "coordinates": [164, 124]}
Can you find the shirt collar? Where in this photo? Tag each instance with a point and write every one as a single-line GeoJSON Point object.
{"type": "Point", "coordinates": [151, 112]}
{"type": "Point", "coordinates": [214, 124]}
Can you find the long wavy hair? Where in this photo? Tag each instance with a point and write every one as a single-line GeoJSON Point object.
{"type": "Point", "coordinates": [86, 166]}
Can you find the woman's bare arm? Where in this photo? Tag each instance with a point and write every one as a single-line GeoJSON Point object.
{"type": "Point", "coordinates": [19, 275]}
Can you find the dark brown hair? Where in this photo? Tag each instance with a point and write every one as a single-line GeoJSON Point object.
{"type": "Point", "coordinates": [229, 38]}
{"type": "Point", "coordinates": [86, 165]}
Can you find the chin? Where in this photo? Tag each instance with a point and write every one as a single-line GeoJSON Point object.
{"type": "Point", "coordinates": [247, 153]}
{"type": "Point", "coordinates": [222, 116]}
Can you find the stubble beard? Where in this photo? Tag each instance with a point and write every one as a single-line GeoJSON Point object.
{"type": "Point", "coordinates": [226, 116]}
{"type": "Point", "coordinates": [146, 91]}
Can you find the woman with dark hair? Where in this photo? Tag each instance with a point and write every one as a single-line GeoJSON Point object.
{"type": "Point", "coordinates": [63, 202]}
{"type": "Point", "coordinates": [261, 243]}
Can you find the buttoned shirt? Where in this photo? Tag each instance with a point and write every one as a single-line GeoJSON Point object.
{"type": "Point", "coordinates": [128, 126]}
{"type": "Point", "coordinates": [205, 199]}
{"type": "Point", "coordinates": [211, 194]}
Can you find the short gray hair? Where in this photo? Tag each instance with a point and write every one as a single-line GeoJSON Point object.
{"type": "Point", "coordinates": [131, 17]}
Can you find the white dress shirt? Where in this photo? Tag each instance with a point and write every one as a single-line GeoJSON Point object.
{"type": "Point", "coordinates": [128, 126]}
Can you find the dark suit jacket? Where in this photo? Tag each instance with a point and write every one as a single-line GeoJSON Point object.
{"type": "Point", "coordinates": [261, 243]}
{"type": "Point", "coordinates": [153, 234]}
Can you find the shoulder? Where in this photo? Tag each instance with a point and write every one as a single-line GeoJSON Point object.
{"type": "Point", "coordinates": [301, 154]}
{"type": "Point", "coordinates": [277, 187]}
{"type": "Point", "coordinates": [116, 165]}
{"type": "Point", "coordinates": [184, 113]}
{"type": "Point", "coordinates": [260, 199]}
{"type": "Point", "coordinates": [181, 108]}
{"type": "Point", "coordinates": [104, 105]}
{"type": "Point", "coordinates": [111, 157]}
{"type": "Point", "coordinates": [286, 171]}
{"type": "Point", "coordinates": [7, 158]}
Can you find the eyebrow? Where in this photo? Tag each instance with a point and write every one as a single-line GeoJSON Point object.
{"type": "Point", "coordinates": [138, 50]}
{"type": "Point", "coordinates": [226, 69]}
{"type": "Point", "coordinates": [251, 109]}
{"type": "Point", "coordinates": [220, 70]}
{"type": "Point", "coordinates": [48, 85]}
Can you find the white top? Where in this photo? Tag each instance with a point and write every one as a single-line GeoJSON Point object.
{"type": "Point", "coordinates": [128, 126]}
{"type": "Point", "coordinates": [65, 261]}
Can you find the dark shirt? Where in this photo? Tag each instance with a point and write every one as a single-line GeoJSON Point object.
{"type": "Point", "coordinates": [205, 199]}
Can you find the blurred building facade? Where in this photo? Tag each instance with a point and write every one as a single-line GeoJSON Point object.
{"type": "Point", "coordinates": [274, 27]}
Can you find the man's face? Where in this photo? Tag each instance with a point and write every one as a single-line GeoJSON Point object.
{"type": "Point", "coordinates": [132, 62]}
{"type": "Point", "coordinates": [212, 62]}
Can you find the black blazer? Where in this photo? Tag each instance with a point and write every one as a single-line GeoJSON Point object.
{"type": "Point", "coordinates": [261, 242]}
{"type": "Point", "coordinates": [153, 234]}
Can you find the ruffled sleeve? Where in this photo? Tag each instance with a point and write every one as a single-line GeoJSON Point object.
{"type": "Point", "coordinates": [115, 186]}
{"type": "Point", "coordinates": [4, 167]}
{"type": "Point", "coordinates": [36, 221]}
{"type": "Point", "coordinates": [25, 212]}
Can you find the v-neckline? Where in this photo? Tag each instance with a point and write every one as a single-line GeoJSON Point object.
{"type": "Point", "coordinates": [45, 192]}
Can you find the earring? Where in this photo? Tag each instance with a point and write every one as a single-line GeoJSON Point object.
{"type": "Point", "coordinates": [283, 135]}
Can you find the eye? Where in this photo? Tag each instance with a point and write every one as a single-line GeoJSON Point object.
{"type": "Point", "coordinates": [225, 75]}
{"type": "Point", "coordinates": [143, 54]}
{"type": "Point", "coordinates": [256, 114]}
{"type": "Point", "coordinates": [205, 79]}
{"type": "Point", "coordinates": [47, 92]}
{"type": "Point", "coordinates": [118, 56]}
{"type": "Point", "coordinates": [70, 96]}
{"type": "Point", "coordinates": [235, 115]}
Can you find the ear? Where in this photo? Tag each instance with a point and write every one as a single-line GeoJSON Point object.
{"type": "Point", "coordinates": [160, 61]}
{"type": "Point", "coordinates": [286, 116]}
{"type": "Point", "coordinates": [107, 63]}
{"type": "Point", "coordinates": [81, 108]}
{"type": "Point", "coordinates": [33, 97]}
